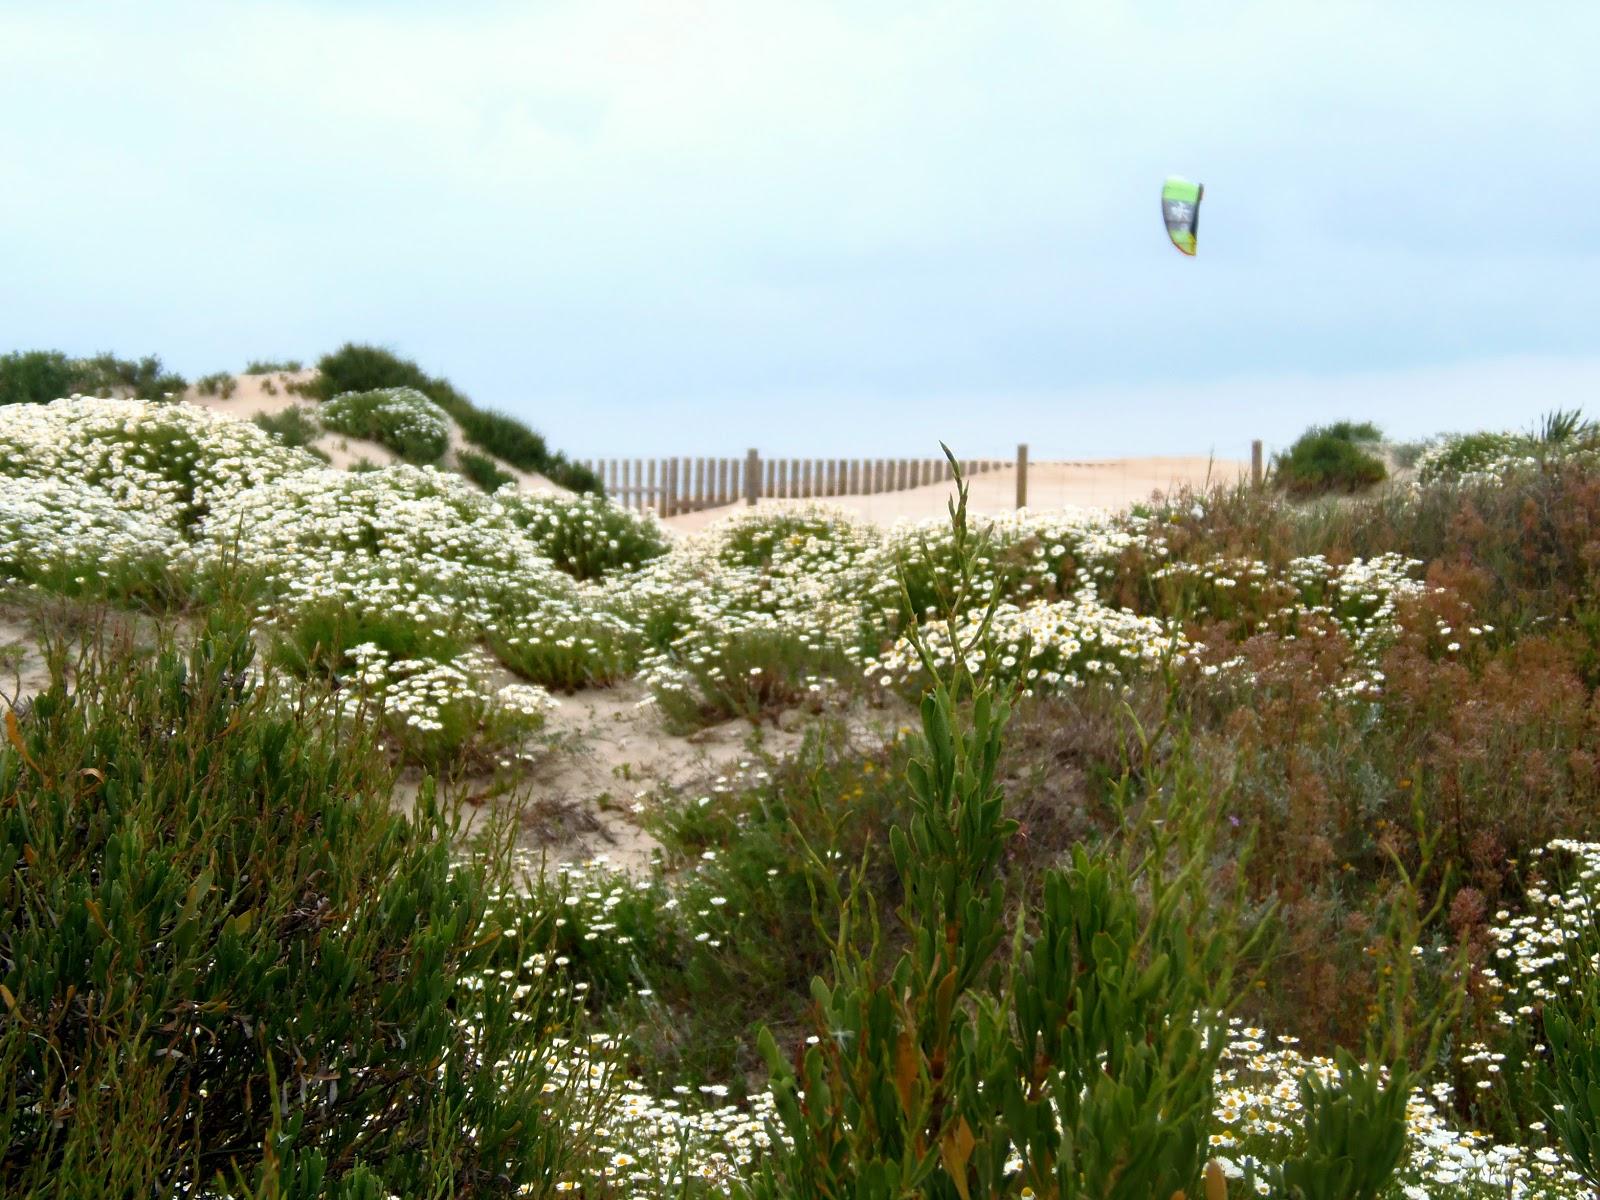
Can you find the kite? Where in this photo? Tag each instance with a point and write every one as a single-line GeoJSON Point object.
{"type": "Point", "coordinates": [1180, 209]}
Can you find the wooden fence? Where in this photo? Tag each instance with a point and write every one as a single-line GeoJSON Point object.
{"type": "Point", "coordinates": [678, 485]}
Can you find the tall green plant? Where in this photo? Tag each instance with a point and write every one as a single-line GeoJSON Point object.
{"type": "Point", "coordinates": [1079, 1064]}
{"type": "Point", "coordinates": [1571, 1079]}
{"type": "Point", "coordinates": [1354, 1137]}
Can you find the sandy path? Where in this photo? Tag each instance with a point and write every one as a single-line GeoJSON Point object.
{"type": "Point", "coordinates": [1107, 483]}
{"type": "Point", "coordinates": [611, 760]}
{"type": "Point", "coordinates": [23, 672]}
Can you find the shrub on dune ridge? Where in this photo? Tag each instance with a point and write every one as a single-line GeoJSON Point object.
{"type": "Point", "coordinates": [1331, 458]}
{"type": "Point", "coordinates": [220, 383]}
{"type": "Point", "coordinates": [272, 366]}
{"type": "Point", "coordinates": [40, 376]}
{"type": "Point", "coordinates": [359, 368]}
{"type": "Point", "coordinates": [481, 469]}
{"type": "Point", "coordinates": [35, 377]}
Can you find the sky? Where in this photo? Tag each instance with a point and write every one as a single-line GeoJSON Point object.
{"type": "Point", "coordinates": [817, 228]}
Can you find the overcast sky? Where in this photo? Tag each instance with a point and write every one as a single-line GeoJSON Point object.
{"type": "Point", "coordinates": [828, 228]}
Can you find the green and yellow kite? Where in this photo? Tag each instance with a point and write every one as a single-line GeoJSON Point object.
{"type": "Point", "coordinates": [1180, 209]}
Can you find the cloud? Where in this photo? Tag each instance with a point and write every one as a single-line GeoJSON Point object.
{"type": "Point", "coordinates": [604, 204]}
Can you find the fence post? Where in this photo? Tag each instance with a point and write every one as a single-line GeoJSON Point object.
{"type": "Point", "coordinates": [1255, 463]}
{"type": "Point", "coordinates": [669, 488]}
{"type": "Point", "coordinates": [752, 476]}
{"type": "Point", "coordinates": [1022, 475]}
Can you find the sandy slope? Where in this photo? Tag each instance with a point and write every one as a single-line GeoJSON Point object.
{"type": "Point", "coordinates": [1108, 483]}
{"type": "Point", "coordinates": [269, 394]}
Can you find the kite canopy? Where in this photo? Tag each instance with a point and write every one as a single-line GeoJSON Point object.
{"type": "Point", "coordinates": [1180, 209]}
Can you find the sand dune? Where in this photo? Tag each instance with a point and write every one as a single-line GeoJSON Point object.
{"type": "Point", "coordinates": [270, 394]}
{"type": "Point", "coordinates": [1106, 483]}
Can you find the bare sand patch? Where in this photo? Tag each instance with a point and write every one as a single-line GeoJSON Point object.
{"type": "Point", "coordinates": [609, 761]}
{"type": "Point", "coordinates": [23, 671]}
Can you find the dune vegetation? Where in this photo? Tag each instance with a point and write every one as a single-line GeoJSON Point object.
{"type": "Point", "coordinates": [1234, 844]}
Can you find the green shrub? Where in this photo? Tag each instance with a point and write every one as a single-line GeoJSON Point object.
{"type": "Point", "coordinates": [35, 377]}
{"type": "Point", "coordinates": [40, 376]}
{"type": "Point", "coordinates": [221, 383]}
{"type": "Point", "coordinates": [1332, 458]}
{"type": "Point", "coordinates": [354, 368]}
{"type": "Point", "coordinates": [1564, 427]}
{"type": "Point", "coordinates": [144, 379]}
{"type": "Point", "coordinates": [293, 426]}
{"type": "Point", "coordinates": [272, 366]}
{"type": "Point", "coordinates": [402, 419]}
{"type": "Point", "coordinates": [483, 471]}
{"type": "Point", "coordinates": [357, 368]}
{"type": "Point", "coordinates": [1354, 431]}
{"type": "Point", "coordinates": [227, 963]}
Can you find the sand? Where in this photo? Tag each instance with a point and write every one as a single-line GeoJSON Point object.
{"type": "Point", "coordinates": [609, 760]}
{"type": "Point", "coordinates": [1106, 483]}
{"type": "Point", "coordinates": [23, 672]}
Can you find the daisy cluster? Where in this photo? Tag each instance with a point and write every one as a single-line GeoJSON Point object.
{"type": "Point", "coordinates": [414, 545]}
{"type": "Point", "coordinates": [642, 1141]}
{"type": "Point", "coordinates": [1051, 645]}
{"type": "Point", "coordinates": [1532, 949]}
{"type": "Point", "coordinates": [401, 418]}
{"type": "Point", "coordinates": [1261, 1117]}
{"type": "Point", "coordinates": [165, 465]}
{"type": "Point", "coordinates": [60, 531]}
{"type": "Point", "coordinates": [1028, 554]}
{"type": "Point", "coordinates": [1361, 597]}
{"type": "Point", "coordinates": [658, 1141]}
{"type": "Point", "coordinates": [1495, 457]}
{"type": "Point", "coordinates": [441, 710]}
{"type": "Point", "coordinates": [586, 536]}
{"type": "Point", "coordinates": [741, 617]}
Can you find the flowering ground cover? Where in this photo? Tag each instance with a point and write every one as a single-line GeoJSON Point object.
{"type": "Point", "coordinates": [1351, 747]}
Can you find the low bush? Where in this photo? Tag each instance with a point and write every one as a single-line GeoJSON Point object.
{"type": "Point", "coordinates": [1331, 458]}
{"type": "Point", "coordinates": [40, 376]}
{"type": "Point", "coordinates": [293, 426]}
{"type": "Point", "coordinates": [221, 383]}
{"type": "Point", "coordinates": [230, 969]}
{"type": "Point", "coordinates": [483, 471]}
{"type": "Point", "coordinates": [402, 419]}
{"type": "Point", "coordinates": [35, 377]}
{"type": "Point", "coordinates": [359, 368]}
{"type": "Point", "coordinates": [142, 379]}
{"type": "Point", "coordinates": [272, 366]}
{"type": "Point", "coordinates": [566, 646]}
